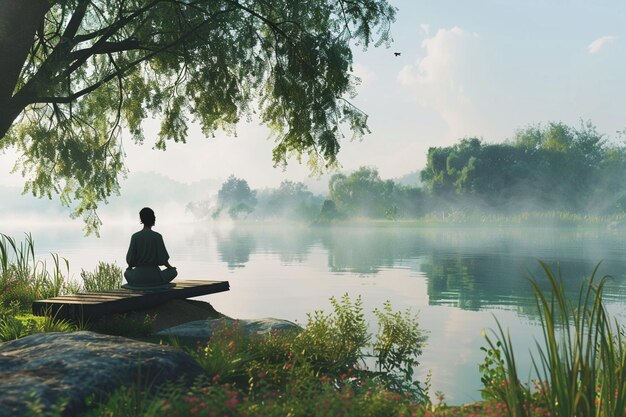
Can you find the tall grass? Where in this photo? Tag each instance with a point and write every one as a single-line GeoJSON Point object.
{"type": "Point", "coordinates": [105, 277]}
{"type": "Point", "coordinates": [24, 278]}
{"type": "Point", "coordinates": [580, 362]}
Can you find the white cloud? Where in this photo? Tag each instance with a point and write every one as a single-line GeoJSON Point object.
{"type": "Point", "coordinates": [366, 75]}
{"type": "Point", "coordinates": [442, 78]}
{"type": "Point", "coordinates": [599, 44]}
{"type": "Point", "coordinates": [425, 29]}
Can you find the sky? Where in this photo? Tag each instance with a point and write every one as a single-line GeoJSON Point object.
{"type": "Point", "coordinates": [481, 68]}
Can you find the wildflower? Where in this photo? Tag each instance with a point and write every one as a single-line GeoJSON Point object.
{"type": "Point", "coordinates": [190, 399]}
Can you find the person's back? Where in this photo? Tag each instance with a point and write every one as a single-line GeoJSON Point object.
{"type": "Point", "coordinates": [146, 253]}
{"type": "Point", "coordinates": [146, 249]}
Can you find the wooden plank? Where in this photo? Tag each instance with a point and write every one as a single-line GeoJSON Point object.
{"type": "Point", "coordinates": [87, 305]}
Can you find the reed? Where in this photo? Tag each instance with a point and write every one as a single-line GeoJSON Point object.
{"type": "Point", "coordinates": [580, 361]}
{"type": "Point", "coordinates": [24, 279]}
{"type": "Point", "coordinates": [107, 276]}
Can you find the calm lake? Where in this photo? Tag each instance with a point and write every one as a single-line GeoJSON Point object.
{"type": "Point", "coordinates": [457, 279]}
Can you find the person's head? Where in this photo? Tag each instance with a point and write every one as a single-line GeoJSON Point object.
{"type": "Point", "coordinates": [147, 217]}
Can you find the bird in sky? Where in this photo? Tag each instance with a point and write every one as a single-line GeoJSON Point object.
{"type": "Point", "coordinates": [397, 53]}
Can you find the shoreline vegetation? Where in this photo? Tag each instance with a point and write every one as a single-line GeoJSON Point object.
{"type": "Point", "coordinates": [326, 368]}
{"type": "Point", "coordinates": [539, 219]}
{"type": "Point", "coordinates": [553, 174]}
{"type": "Point", "coordinates": [534, 219]}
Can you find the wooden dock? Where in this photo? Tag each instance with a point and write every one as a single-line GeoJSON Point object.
{"type": "Point", "coordinates": [88, 305]}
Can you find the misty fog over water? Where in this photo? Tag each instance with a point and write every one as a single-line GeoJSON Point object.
{"type": "Point", "coordinates": [457, 278]}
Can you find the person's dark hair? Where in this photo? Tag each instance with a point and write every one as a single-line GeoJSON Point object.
{"type": "Point", "coordinates": [146, 215]}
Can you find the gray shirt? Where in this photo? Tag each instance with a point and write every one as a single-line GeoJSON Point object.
{"type": "Point", "coordinates": [146, 249]}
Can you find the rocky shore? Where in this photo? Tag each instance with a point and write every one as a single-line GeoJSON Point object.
{"type": "Point", "coordinates": [41, 372]}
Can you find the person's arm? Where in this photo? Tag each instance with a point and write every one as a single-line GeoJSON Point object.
{"type": "Point", "coordinates": [130, 258]}
{"type": "Point", "coordinates": [163, 255]}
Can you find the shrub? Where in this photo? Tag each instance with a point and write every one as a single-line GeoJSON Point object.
{"type": "Point", "coordinates": [333, 342]}
{"type": "Point", "coordinates": [107, 276]}
{"type": "Point", "coordinates": [398, 344]}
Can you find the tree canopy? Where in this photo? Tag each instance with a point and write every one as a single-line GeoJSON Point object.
{"type": "Point", "coordinates": [364, 193]}
{"type": "Point", "coordinates": [236, 197]}
{"type": "Point", "coordinates": [77, 72]}
{"type": "Point", "coordinates": [553, 167]}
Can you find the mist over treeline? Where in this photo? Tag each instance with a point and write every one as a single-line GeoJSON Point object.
{"type": "Point", "coordinates": [555, 167]}
{"type": "Point", "coordinates": [552, 167]}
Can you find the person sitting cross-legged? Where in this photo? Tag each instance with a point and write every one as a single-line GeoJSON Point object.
{"type": "Point", "coordinates": [145, 254]}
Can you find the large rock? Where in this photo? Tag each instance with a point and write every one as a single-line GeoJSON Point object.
{"type": "Point", "coordinates": [51, 367]}
{"type": "Point", "coordinates": [203, 329]}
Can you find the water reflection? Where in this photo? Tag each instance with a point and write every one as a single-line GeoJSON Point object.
{"type": "Point", "coordinates": [235, 247]}
{"type": "Point", "coordinates": [368, 250]}
{"type": "Point", "coordinates": [471, 269]}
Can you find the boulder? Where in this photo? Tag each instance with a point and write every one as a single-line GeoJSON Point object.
{"type": "Point", "coordinates": [50, 368]}
{"type": "Point", "coordinates": [203, 329]}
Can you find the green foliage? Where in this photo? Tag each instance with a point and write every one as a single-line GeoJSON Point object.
{"type": "Point", "coordinates": [105, 277]}
{"type": "Point", "coordinates": [291, 200]}
{"type": "Point", "coordinates": [24, 278]}
{"type": "Point", "coordinates": [329, 212]}
{"type": "Point", "coordinates": [235, 197]}
{"type": "Point", "coordinates": [556, 167]}
{"type": "Point", "coordinates": [363, 193]}
{"type": "Point", "coordinates": [128, 401]}
{"type": "Point", "coordinates": [313, 397]}
{"type": "Point", "coordinates": [581, 362]}
{"type": "Point", "coordinates": [107, 66]}
{"type": "Point", "coordinates": [14, 324]}
{"type": "Point", "coordinates": [492, 371]}
{"type": "Point", "coordinates": [334, 342]}
{"type": "Point", "coordinates": [227, 352]}
{"type": "Point", "coordinates": [312, 372]}
{"type": "Point", "coordinates": [398, 344]}
{"type": "Point", "coordinates": [11, 328]}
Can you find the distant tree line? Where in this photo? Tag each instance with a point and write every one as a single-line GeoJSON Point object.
{"type": "Point", "coordinates": [360, 194]}
{"type": "Point", "coordinates": [554, 167]}
{"type": "Point", "coordinates": [235, 199]}
{"type": "Point", "coordinates": [364, 194]}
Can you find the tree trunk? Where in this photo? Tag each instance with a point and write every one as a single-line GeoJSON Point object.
{"type": "Point", "coordinates": [19, 20]}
